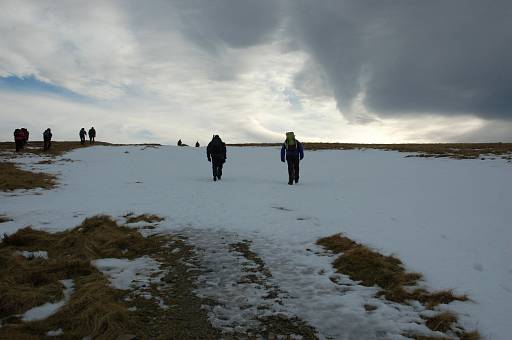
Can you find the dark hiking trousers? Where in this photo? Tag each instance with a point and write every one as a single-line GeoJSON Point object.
{"type": "Point", "coordinates": [217, 166]}
{"type": "Point", "coordinates": [47, 144]}
{"type": "Point", "coordinates": [19, 145]}
{"type": "Point", "coordinates": [293, 168]}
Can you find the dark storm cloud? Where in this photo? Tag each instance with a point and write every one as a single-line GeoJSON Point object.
{"type": "Point", "coordinates": [212, 23]}
{"type": "Point", "coordinates": [237, 23]}
{"type": "Point", "coordinates": [407, 57]}
{"type": "Point", "coordinates": [444, 57]}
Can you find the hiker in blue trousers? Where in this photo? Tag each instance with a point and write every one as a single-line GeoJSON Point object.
{"type": "Point", "coordinates": [293, 151]}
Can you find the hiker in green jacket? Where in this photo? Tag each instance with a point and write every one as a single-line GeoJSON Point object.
{"type": "Point", "coordinates": [293, 151]}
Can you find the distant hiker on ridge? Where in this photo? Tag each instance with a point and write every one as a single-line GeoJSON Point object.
{"type": "Point", "coordinates": [82, 135]}
{"type": "Point", "coordinates": [179, 142]}
{"type": "Point", "coordinates": [19, 137]}
{"type": "Point", "coordinates": [197, 144]}
{"type": "Point", "coordinates": [47, 138]}
{"type": "Point", "coordinates": [92, 135]}
{"type": "Point", "coordinates": [25, 136]}
{"type": "Point", "coordinates": [216, 153]}
{"type": "Point", "coordinates": [293, 151]}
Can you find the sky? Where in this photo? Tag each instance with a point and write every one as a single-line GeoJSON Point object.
{"type": "Point", "coordinates": [329, 70]}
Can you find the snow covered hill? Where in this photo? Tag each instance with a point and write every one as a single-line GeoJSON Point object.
{"type": "Point", "coordinates": [448, 219]}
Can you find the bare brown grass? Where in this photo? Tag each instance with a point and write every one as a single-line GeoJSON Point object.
{"type": "Point", "coordinates": [4, 218]}
{"type": "Point", "coordinates": [369, 267]}
{"type": "Point", "coordinates": [58, 147]}
{"type": "Point", "coordinates": [13, 178]}
{"type": "Point", "coordinates": [442, 322]}
{"type": "Point", "coordinates": [450, 150]}
{"type": "Point", "coordinates": [94, 309]}
{"type": "Point", "coordinates": [149, 218]}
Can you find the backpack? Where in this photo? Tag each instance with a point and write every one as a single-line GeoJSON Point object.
{"type": "Point", "coordinates": [291, 147]}
{"type": "Point", "coordinates": [216, 146]}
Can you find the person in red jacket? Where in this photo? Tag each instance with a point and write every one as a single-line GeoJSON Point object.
{"type": "Point", "coordinates": [19, 138]}
{"type": "Point", "coordinates": [25, 136]}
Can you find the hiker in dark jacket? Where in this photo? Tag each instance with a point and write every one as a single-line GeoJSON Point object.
{"type": "Point", "coordinates": [216, 153]}
{"type": "Point", "coordinates": [197, 144]}
{"type": "Point", "coordinates": [19, 138]}
{"type": "Point", "coordinates": [82, 135]}
{"type": "Point", "coordinates": [25, 136]}
{"type": "Point", "coordinates": [293, 151]}
{"type": "Point", "coordinates": [179, 142]}
{"type": "Point", "coordinates": [92, 135]}
{"type": "Point", "coordinates": [47, 138]}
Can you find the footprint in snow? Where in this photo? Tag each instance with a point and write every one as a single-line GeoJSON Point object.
{"type": "Point", "coordinates": [507, 289]}
{"type": "Point", "coordinates": [282, 208]}
{"type": "Point", "coordinates": [303, 218]}
{"type": "Point", "coordinates": [478, 267]}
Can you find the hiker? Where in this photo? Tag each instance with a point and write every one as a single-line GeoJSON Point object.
{"type": "Point", "coordinates": [179, 142]}
{"type": "Point", "coordinates": [19, 137]}
{"type": "Point", "coordinates": [82, 135]}
{"type": "Point", "coordinates": [47, 138]}
{"type": "Point", "coordinates": [197, 144]}
{"type": "Point", "coordinates": [216, 153]}
{"type": "Point", "coordinates": [92, 135]}
{"type": "Point", "coordinates": [25, 136]}
{"type": "Point", "coordinates": [293, 151]}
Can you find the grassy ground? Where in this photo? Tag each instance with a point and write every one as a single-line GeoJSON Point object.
{"type": "Point", "coordinates": [57, 148]}
{"type": "Point", "coordinates": [12, 178]}
{"type": "Point", "coordinates": [451, 150]}
{"type": "Point", "coordinates": [95, 309]}
{"type": "Point", "coordinates": [369, 267]}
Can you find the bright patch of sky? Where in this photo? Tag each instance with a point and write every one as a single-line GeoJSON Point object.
{"type": "Point", "coordinates": [247, 71]}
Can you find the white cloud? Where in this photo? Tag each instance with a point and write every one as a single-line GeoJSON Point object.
{"type": "Point", "coordinates": [153, 76]}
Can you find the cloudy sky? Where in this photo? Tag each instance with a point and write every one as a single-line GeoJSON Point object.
{"type": "Point", "coordinates": [330, 70]}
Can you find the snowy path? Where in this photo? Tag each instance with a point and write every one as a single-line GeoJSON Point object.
{"type": "Point", "coordinates": [445, 218]}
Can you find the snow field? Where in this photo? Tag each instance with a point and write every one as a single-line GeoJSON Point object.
{"type": "Point", "coordinates": [447, 219]}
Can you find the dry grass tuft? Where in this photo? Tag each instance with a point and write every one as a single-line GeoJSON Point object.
{"type": "Point", "coordinates": [12, 178]}
{"type": "Point", "coordinates": [149, 218]}
{"type": "Point", "coordinates": [442, 322]}
{"type": "Point", "coordinates": [451, 150]}
{"type": "Point", "coordinates": [365, 265]}
{"type": "Point", "coordinates": [428, 299]}
{"type": "Point", "coordinates": [470, 336]}
{"type": "Point", "coordinates": [4, 218]}
{"type": "Point", "coordinates": [95, 309]}
{"type": "Point", "coordinates": [57, 148]}
{"type": "Point", "coordinates": [337, 243]}
{"type": "Point", "coordinates": [372, 268]}
{"type": "Point", "coordinates": [387, 272]}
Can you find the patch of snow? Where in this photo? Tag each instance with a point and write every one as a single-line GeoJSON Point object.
{"type": "Point", "coordinates": [44, 311]}
{"type": "Point", "coordinates": [127, 274]}
{"type": "Point", "coordinates": [336, 310]}
{"type": "Point", "coordinates": [55, 332]}
{"type": "Point", "coordinates": [447, 219]}
{"type": "Point", "coordinates": [33, 254]}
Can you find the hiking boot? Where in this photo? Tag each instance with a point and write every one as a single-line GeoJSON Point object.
{"type": "Point", "coordinates": [215, 178]}
{"type": "Point", "coordinates": [296, 180]}
{"type": "Point", "coordinates": [219, 177]}
{"type": "Point", "coordinates": [290, 182]}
